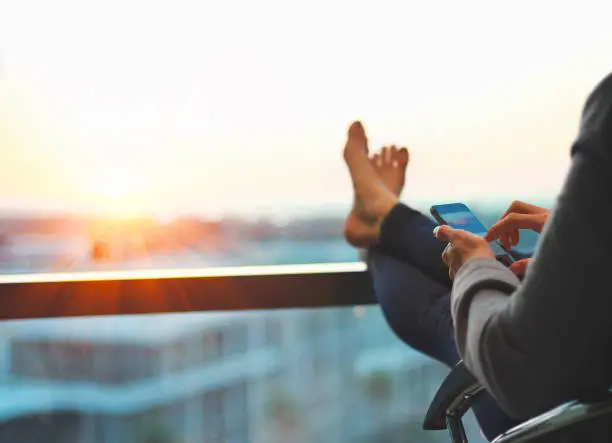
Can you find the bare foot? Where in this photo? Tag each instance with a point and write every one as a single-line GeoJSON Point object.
{"type": "Point", "coordinates": [373, 200]}
{"type": "Point", "coordinates": [390, 164]}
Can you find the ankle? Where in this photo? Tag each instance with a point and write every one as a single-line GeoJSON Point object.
{"type": "Point", "coordinates": [385, 206]}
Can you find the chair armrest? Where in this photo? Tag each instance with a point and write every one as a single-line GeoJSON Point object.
{"type": "Point", "coordinates": [586, 420]}
{"type": "Point", "coordinates": [455, 396]}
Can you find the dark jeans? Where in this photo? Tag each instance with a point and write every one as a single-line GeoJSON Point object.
{"type": "Point", "coordinates": [413, 289]}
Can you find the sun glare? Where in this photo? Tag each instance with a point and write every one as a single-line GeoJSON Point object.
{"type": "Point", "coordinates": [118, 193]}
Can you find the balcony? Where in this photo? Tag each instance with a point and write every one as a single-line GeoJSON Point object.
{"type": "Point", "coordinates": [172, 197]}
{"type": "Point", "coordinates": [245, 354]}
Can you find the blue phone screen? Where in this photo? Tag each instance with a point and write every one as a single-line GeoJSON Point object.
{"type": "Point", "coordinates": [458, 215]}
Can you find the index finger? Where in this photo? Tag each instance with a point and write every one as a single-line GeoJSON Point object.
{"type": "Point", "coordinates": [517, 207]}
{"type": "Point", "coordinates": [521, 208]}
{"type": "Point", "coordinates": [510, 222]}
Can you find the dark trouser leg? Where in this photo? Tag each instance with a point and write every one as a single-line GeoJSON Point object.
{"type": "Point", "coordinates": [416, 307]}
{"type": "Point", "coordinates": [408, 235]}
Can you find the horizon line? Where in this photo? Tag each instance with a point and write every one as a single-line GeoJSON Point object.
{"type": "Point", "coordinates": [282, 211]}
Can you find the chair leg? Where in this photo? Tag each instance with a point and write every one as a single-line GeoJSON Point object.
{"type": "Point", "coordinates": [456, 429]}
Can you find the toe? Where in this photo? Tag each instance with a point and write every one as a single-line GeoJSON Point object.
{"type": "Point", "coordinates": [385, 154]}
{"type": "Point", "coordinates": [393, 156]}
{"type": "Point", "coordinates": [394, 151]}
{"type": "Point", "coordinates": [376, 161]}
{"type": "Point", "coordinates": [356, 132]}
{"type": "Point", "coordinates": [403, 156]}
{"type": "Point", "coordinates": [356, 144]}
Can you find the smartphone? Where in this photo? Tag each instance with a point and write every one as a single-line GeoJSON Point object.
{"type": "Point", "coordinates": [458, 215]}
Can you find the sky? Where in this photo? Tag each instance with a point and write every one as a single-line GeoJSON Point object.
{"type": "Point", "coordinates": [210, 107]}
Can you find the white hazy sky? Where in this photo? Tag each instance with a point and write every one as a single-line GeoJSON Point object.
{"type": "Point", "coordinates": [205, 106]}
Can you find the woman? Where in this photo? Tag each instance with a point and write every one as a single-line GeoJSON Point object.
{"type": "Point", "coordinates": [547, 340]}
{"type": "Point", "coordinates": [410, 279]}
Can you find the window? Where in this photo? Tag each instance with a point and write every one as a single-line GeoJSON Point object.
{"type": "Point", "coordinates": [315, 324]}
{"type": "Point", "coordinates": [178, 354]}
{"type": "Point", "coordinates": [99, 363]}
{"type": "Point", "coordinates": [52, 361]}
{"type": "Point", "coordinates": [128, 363]}
{"type": "Point", "coordinates": [236, 339]}
{"type": "Point", "coordinates": [273, 330]}
{"type": "Point", "coordinates": [214, 415]}
{"type": "Point", "coordinates": [237, 414]}
{"type": "Point", "coordinates": [27, 362]}
{"type": "Point", "coordinates": [211, 345]}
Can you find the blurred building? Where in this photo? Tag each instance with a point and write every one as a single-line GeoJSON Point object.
{"type": "Point", "coordinates": [300, 376]}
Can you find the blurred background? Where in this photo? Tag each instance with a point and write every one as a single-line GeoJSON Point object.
{"type": "Point", "coordinates": [184, 134]}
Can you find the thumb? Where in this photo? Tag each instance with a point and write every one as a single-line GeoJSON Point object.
{"type": "Point", "coordinates": [444, 233]}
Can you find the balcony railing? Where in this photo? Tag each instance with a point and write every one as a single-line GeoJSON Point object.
{"type": "Point", "coordinates": [356, 362]}
{"type": "Point", "coordinates": [184, 290]}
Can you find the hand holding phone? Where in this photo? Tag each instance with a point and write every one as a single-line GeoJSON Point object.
{"type": "Point", "coordinates": [459, 216]}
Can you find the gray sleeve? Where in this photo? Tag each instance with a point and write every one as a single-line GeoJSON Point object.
{"type": "Point", "coordinates": [481, 291]}
{"type": "Point", "coordinates": [481, 288]}
{"type": "Point", "coordinates": [548, 340]}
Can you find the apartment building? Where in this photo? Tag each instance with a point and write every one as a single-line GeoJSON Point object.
{"type": "Point", "coordinates": [307, 375]}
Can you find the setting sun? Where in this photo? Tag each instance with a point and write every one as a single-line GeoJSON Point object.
{"type": "Point", "coordinates": [118, 192]}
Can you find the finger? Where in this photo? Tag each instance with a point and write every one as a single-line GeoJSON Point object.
{"type": "Point", "coordinates": [527, 208]}
{"type": "Point", "coordinates": [514, 237]}
{"type": "Point", "coordinates": [518, 207]}
{"type": "Point", "coordinates": [523, 208]}
{"type": "Point", "coordinates": [458, 237]}
{"type": "Point", "coordinates": [504, 241]}
{"type": "Point", "coordinates": [509, 238]}
{"type": "Point", "coordinates": [520, 267]}
{"type": "Point", "coordinates": [509, 223]}
{"type": "Point", "coordinates": [515, 207]}
{"type": "Point", "coordinates": [444, 233]}
{"type": "Point", "coordinates": [446, 254]}
{"type": "Point", "coordinates": [449, 262]}
{"type": "Point", "coordinates": [539, 221]}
